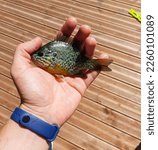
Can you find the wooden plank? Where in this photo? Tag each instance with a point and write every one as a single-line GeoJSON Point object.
{"type": "Point", "coordinates": [4, 115]}
{"type": "Point", "coordinates": [121, 59]}
{"type": "Point", "coordinates": [131, 48]}
{"type": "Point", "coordinates": [113, 101]}
{"type": "Point", "coordinates": [30, 15]}
{"type": "Point", "coordinates": [126, 91]}
{"type": "Point", "coordinates": [57, 9]}
{"type": "Point", "coordinates": [110, 5]}
{"type": "Point", "coordinates": [8, 101]}
{"type": "Point", "coordinates": [121, 73]}
{"type": "Point", "coordinates": [61, 144]}
{"type": "Point", "coordinates": [24, 28]}
{"type": "Point", "coordinates": [119, 45]}
{"type": "Point", "coordinates": [11, 31]}
{"type": "Point", "coordinates": [7, 85]}
{"type": "Point", "coordinates": [5, 68]}
{"type": "Point", "coordinates": [101, 13]}
{"type": "Point", "coordinates": [5, 54]}
{"type": "Point", "coordinates": [83, 139]}
{"type": "Point", "coordinates": [8, 42]}
{"type": "Point", "coordinates": [100, 26]}
{"type": "Point", "coordinates": [101, 131]}
{"type": "Point", "coordinates": [110, 117]}
{"type": "Point", "coordinates": [131, 2]}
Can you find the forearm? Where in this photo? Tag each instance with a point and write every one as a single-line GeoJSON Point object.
{"type": "Point", "coordinates": [13, 136]}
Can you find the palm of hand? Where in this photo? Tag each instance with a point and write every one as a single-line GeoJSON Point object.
{"type": "Point", "coordinates": [50, 94]}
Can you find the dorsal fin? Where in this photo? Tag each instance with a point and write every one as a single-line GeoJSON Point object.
{"type": "Point", "coordinates": [61, 37]}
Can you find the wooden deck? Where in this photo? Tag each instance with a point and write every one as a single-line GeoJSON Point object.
{"type": "Point", "coordinates": [108, 117]}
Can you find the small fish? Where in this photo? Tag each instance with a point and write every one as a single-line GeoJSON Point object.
{"type": "Point", "coordinates": [63, 58]}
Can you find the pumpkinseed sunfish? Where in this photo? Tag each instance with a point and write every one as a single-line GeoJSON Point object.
{"type": "Point", "coordinates": [63, 58]}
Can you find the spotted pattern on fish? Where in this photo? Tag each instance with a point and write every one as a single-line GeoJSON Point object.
{"type": "Point", "coordinates": [59, 57]}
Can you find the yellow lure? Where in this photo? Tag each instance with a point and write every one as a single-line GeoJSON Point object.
{"type": "Point", "coordinates": [135, 14]}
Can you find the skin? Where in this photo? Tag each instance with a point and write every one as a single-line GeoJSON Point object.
{"type": "Point", "coordinates": [49, 98]}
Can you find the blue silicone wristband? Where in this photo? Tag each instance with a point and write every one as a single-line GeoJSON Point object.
{"type": "Point", "coordinates": [29, 121]}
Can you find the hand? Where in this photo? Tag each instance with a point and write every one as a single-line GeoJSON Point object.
{"type": "Point", "coordinates": [42, 94]}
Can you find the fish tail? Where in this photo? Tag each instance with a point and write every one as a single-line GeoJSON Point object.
{"type": "Point", "coordinates": [96, 64]}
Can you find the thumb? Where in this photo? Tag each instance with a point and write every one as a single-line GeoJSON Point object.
{"type": "Point", "coordinates": [28, 47]}
{"type": "Point", "coordinates": [22, 57]}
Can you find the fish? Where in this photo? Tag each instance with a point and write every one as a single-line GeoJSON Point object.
{"type": "Point", "coordinates": [59, 57]}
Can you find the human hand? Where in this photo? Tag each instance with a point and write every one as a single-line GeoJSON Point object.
{"type": "Point", "coordinates": [44, 95]}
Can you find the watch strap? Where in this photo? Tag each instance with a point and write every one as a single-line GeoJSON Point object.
{"type": "Point", "coordinates": [29, 121]}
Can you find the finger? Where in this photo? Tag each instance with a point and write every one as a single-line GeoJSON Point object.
{"type": "Point", "coordinates": [22, 54]}
{"type": "Point", "coordinates": [81, 84]}
{"type": "Point", "coordinates": [68, 27]}
{"type": "Point", "coordinates": [29, 47]}
{"type": "Point", "coordinates": [107, 59]}
{"type": "Point", "coordinates": [89, 46]}
{"type": "Point", "coordinates": [82, 34]}
{"type": "Point", "coordinates": [22, 58]}
{"type": "Point", "coordinates": [91, 76]}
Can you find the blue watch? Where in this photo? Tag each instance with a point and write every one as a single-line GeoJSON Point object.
{"type": "Point", "coordinates": [29, 121]}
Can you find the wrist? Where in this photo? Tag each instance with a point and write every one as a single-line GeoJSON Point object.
{"type": "Point", "coordinates": [41, 112]}
{"type": "Point", "coordinates": [13, 133]}
{"type": "Point", "coordinates": [32, 110]}
{"type": "Point", "coordinates": [35, 124]}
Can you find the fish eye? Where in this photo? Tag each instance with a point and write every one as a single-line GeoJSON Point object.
{"type": "Point", "coordinates": [40, 54]}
